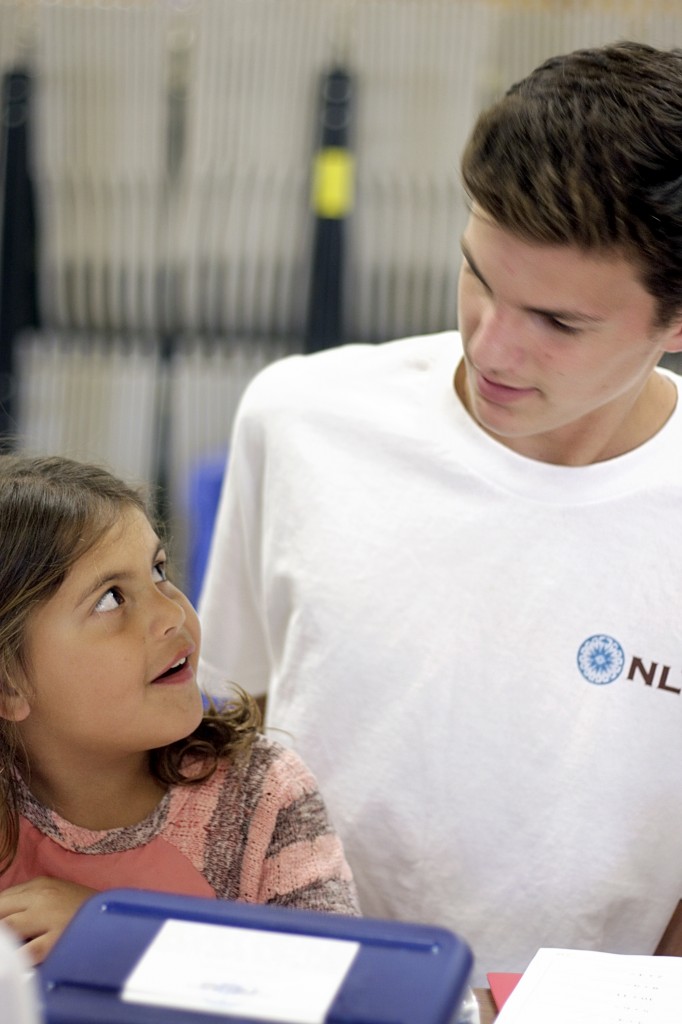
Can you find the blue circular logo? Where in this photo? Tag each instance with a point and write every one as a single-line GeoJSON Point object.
{"type": "Point", "coordinates": [601, 659]}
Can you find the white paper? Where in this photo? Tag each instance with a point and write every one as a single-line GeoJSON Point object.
{"type": "Point", "coordinates": [213, 968]}
{"type": "Point", "coordinates": [566, 986]}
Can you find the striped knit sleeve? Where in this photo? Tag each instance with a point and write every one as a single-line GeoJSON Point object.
{"type": "Point", "coordinates": [291, 856]}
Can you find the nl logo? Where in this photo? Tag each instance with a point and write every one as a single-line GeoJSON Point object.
{"type": "Point", "coordinates": [601, 660]}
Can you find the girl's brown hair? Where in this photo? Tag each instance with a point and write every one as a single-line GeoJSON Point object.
{"type": "Point", "coordinates": [53, 510]}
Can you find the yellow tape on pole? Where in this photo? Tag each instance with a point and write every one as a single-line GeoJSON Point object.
{"type": "Point", "coordinates": [333, 183]}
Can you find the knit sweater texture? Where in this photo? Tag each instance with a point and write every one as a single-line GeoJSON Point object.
{"type": "Point", "coordinates": [256, 831]}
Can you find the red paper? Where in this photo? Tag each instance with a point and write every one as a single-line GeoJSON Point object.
{"type": "Point", "coordinates": [501, 987]}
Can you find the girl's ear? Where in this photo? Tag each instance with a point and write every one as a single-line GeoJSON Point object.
{"type": "Point", "coordinates": [13, 705]}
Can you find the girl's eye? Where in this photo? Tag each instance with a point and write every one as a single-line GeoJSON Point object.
{"type": "Point", "coordinates": [109, 601]}
{"type": "Point", "coordinates": [159, 572]}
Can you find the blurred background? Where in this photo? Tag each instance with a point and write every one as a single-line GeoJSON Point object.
{"type": "Point", "coordinates": [190, 189]}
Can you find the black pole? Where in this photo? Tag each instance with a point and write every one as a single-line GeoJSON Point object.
{"type": "Point", "coordinates": [332, 200]}
{"type": "Point", "coordinates": [18, 285]}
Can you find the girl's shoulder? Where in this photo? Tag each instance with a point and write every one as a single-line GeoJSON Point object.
{"type": "Point", "coordinates": [273, 761]}
{"type": "Point", "coordinates": [266, 764]}
{"type": "Point", "coordinates": [265, 771]}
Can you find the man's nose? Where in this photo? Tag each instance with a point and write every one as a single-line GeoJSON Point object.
{"type": "Point", "coordinates": [496, 343]}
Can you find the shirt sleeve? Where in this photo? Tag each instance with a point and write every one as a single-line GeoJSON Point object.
{"type": "Point", "coordinates": [234, 646]}
{"type": "Point", "coordinates": [293, 857]}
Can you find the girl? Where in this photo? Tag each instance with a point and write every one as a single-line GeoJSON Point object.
{"type": "Point", "coordinates": [111, 774]}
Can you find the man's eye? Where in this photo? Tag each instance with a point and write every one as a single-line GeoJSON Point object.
{"type": "Point", "coordinates": [159, 572]}
{"type": "Point", "coordinates": [109, 601]}
{"type": "Point", "coordinates": [559, 325]}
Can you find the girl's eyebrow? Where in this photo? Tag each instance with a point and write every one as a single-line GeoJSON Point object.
{"type": "Point", "coordinates": [103, 581]}
{"type": "Point", "coordinates": [114, 576]}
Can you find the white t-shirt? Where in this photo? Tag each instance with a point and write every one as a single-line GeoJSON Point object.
{"type": "Point", "coordinates": [479, 655]}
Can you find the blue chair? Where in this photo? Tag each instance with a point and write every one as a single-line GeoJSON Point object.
{"type": "Point", "coordinates": [205, 485]}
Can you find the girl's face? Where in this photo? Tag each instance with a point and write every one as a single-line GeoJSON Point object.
{"type": "Point", "coordinates": [111, 656]}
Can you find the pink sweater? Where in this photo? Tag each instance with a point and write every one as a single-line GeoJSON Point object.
{"type": "Point", "coordinates": [257, 831]}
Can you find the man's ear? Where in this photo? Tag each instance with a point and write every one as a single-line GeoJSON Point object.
{"type": "Point", "coordinates": [13, 705]}
{"type": "Point", "coordinates": [672, 340]}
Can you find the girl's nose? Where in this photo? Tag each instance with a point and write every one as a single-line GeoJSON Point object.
{"type": "Point", "coordinates": [169, 613]}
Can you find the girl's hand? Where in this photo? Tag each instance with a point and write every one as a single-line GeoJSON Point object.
{"type": "Point", "coordinates": [38, 912]}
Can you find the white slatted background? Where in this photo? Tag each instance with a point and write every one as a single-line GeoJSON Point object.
{"type": "Point", "coordinates": [172, 146]}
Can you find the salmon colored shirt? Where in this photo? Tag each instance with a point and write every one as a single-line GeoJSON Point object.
{"type": "Point", "coordinates": [256, 831]}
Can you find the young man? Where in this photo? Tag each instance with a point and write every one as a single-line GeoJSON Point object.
{"type": "Point", "coordinates": [453, 561]}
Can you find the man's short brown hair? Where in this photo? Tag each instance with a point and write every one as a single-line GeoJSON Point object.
{"type": "Point", "coordinates": [587, 151]}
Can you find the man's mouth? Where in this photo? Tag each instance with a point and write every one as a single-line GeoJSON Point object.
{"type": "Point", "coordinates": [501, 394]}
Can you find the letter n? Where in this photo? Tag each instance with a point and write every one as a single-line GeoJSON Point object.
{"type": "Point", "coordinates": [648, 675]}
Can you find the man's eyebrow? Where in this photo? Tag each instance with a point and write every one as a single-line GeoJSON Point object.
{"type": "Point", "coordinates": [466, 252]}
{"type": "Point", "coordinates": [554, 314]}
